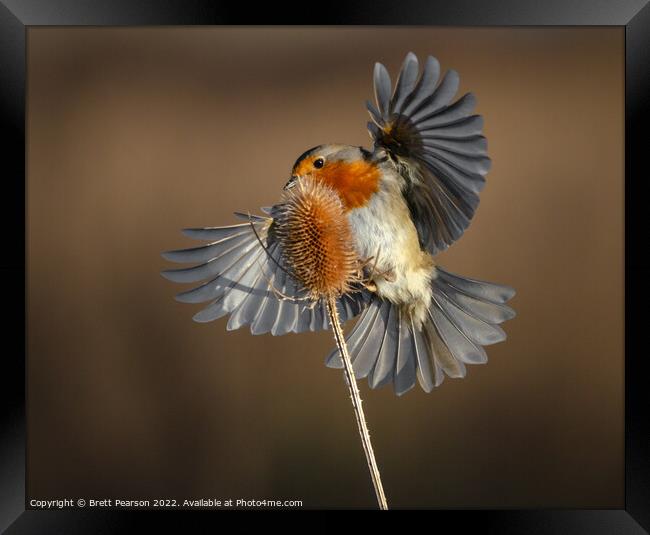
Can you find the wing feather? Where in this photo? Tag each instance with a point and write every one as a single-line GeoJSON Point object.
{"type": "Point", "coordinates": [435, 144]}
{"type": "Point", "coordinates": [247, 278]}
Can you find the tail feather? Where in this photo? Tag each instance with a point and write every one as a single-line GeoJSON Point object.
{"type": "Point", "coordinates": [488, 312]}
{"type": "Point", "coordinates": [364, 341]}
{"type": "Point", "coordinates": [478, 331]}
{"type": "Point", "coordinates": [406, 365]}
{"type": "Point", "coordinates": [441, 354]}
{"type": "Point", "coordinates": [365, 355]}
{"type": "Point", "coordinates": [387, 346]}
{"type": "Point", "coordinates": [383, 371]}
{"type": "Point", "coordinates": [361, 329]}
{"type": "Point", "coordinates": [362, 353]}
{"type": "Point", "coordinates": [460, 346]}
{"type": "Point", "coordinates": [486, 291]}
{"type": "Point", "coordinates": [425, 368]}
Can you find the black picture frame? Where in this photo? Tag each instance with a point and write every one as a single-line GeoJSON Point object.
{"type": "Point", "coordinates": [16, 16]}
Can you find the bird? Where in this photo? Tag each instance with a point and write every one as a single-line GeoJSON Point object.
{"type": "Point", "coordinates": [406, 199]}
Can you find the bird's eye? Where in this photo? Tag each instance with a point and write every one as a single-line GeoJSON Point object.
{"type": "Point", "coordinates": [318, 163]}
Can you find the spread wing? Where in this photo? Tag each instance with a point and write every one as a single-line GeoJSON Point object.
{"type": "Point", "coordinates": [244, 277]}
{"type": "Point", "coordinates": [436, 145]}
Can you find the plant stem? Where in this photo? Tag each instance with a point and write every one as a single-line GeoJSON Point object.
{"type": "Point", "coordinates": [356, 402]}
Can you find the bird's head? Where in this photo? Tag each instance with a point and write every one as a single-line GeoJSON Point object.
{"type": "Point", "coordinates": [349, 170]}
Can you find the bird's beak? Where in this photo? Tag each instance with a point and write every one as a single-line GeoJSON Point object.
{"type": "Point", "coordinates": [291, 183]}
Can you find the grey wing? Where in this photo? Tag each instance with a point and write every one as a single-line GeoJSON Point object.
{"type": "Point", "coordinates": [437, 146]}
{"type": "Point", "coordinates": [243, 275]}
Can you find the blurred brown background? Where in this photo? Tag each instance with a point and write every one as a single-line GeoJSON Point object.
{"type": "Point", "coordinates": [136, 133]}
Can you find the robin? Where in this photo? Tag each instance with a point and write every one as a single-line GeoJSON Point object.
{"type": "Point", "coordinates": [406, 200]}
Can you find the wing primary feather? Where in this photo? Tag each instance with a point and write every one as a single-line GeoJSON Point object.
{"type": "Point", "coordinates": [212, 288]}
{"type": "Point", "coordinates": [439, 98]}
{"type": "Point", "coordinates": [266, 314]}
{"type": "Point", "coordinates": [237, 317]}
{"type": "Point", "coordinates": [471, 126]}
{"type": "Point", "coordinates": [382, 89]}
{"type": "Point", "coordinates": [460, 109]}
{"type": "Point", "coordinates": [209, 269]}
{"type": "Point", "coordinates": [252, 218]}
{"type": "Point", "coordinates": [375, 114]}
{"type": "Point", "coordinates": [287, 316]}
{"type": "Point", "coordinates": [475, 146]}
{"type": "Point", "coordinates": [205, 252]}
{"type": "Point", "coordinates": [424, 87]}
{"type": "Point", "coordinates": [213, 233]}
{"type": "Point", "coordinates": [470, 182]}
{"type": "Point", "coordinates": [216, 309]}
{"type": "Point", "coordinates": [406, 81]}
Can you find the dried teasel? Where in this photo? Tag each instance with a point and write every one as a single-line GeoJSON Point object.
{"type": "Point", "coordinates": [317, 242]}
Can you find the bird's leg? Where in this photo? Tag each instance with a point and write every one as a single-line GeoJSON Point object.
{"type": "Point", "coordinates": [370, 286]}
{"type": "Point", "coordinates": [388, 275]}
{"type": "Point", "coordinates": [369, 280]}
{"type": "Point", "coordinates": [366, 281]}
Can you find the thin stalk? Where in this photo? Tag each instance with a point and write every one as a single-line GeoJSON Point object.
{"type": "Point", "coordinates": [356, 402]}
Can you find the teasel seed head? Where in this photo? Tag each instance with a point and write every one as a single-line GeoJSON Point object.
{"type": "Point", "coordinates": [316, 239]}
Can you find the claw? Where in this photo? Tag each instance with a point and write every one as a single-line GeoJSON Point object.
{"type": "Point", "coordinates": [370, 286]}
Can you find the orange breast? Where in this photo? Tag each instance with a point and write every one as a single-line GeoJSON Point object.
{"type": "Point", "coordinates": [355, 182]}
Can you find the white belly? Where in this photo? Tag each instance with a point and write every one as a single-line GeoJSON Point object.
{"type": "Point", "coordinates": [384, 231]}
